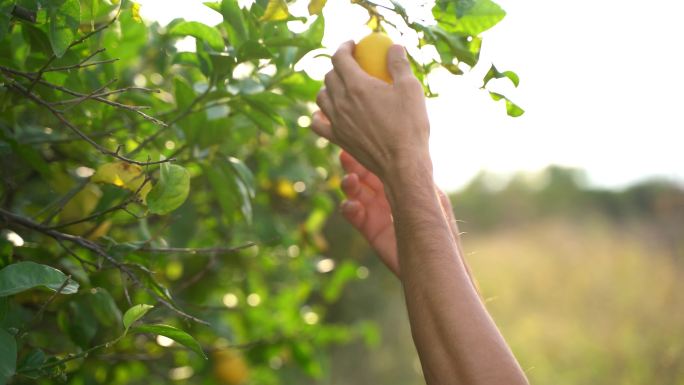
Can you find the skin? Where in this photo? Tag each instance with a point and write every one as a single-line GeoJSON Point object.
{"type": "Point", "coordinates": [384, 131]}
{"type": "Point", "coordinates": [367, 209]}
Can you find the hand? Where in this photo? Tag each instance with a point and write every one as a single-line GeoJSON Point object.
{"type": "Point", "coordinates": [367, 209]}
{"type": "Point", "coordinates": [383, 126]}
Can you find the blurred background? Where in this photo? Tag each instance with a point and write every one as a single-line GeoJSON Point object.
{"type": "Point", "coordinates": [573, 213]}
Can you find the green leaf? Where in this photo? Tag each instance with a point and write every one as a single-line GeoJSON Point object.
{"type": "Point", "coordinates": [29, 366]}
{"type": "Point", "coordinates": [216, 6]}
{"type": "Point", "coordinates": [125, 175]}
{"type": "Point", "coordinates": [64, 20]}
{"type": "Point", "coordinates": [79, 322]}
{"type": "Point", "coordinates": [186, 58]}
{"type": "Point", "coordinates": [454, 45]}
{"type": "Point", "coordinates": [493, 73]}
{"type": "Point", "coordinates": [175, 334]}
{"type": "Point", "coordinates": [471, 17]}
{"type": "Point", "coordinates": [316, 6]}
{"type": "Point", "coordinates": [199, 31]}
{"type": "Point", "coordinates": [135, 313]}
{"type": "Point", "coordinates": [104, 307]}
{"type": "Point", "coordinates": [6, 7]}
{"type": "Point", "coordinates": [343, 274]}
{"type": "Point", "coordinates": [299, 85]}
{"type": "Point", "coordinates": [170, 191]}
{"type": "Point", "coordinates": [512, 109]}
{"type": "Point", "coordinates": [22, 276]}
{"type": "Point", "coordinates": [234, 187]}
{"type": "Point", "coordinates": [275, 10]}
{"type": "Point", "coordinates": [8, 356]}
{"type": "Point", "coordinates": [235, 22]}
{"type": "Point", "coordinates": [244, 173]}
{"type": "Point", "coordinates": [185, 95]}
{"type": "Point", "coordinates": [261, 119]}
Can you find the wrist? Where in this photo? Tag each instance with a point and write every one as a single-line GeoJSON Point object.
{"type": "Point", "coordinates": [409, 175]}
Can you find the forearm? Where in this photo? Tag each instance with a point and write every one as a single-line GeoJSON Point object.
{"type": "Point", "coordinates": [456, 339]}
{"type": "Point", "coordinates": [448, 213]}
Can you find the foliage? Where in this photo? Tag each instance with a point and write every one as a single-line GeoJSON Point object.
{"type": "Point", "coordinates": [173, 202]}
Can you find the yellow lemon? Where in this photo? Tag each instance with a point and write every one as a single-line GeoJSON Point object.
{"type": "Point", "coordinates": [285, 189]}
{"type": "Point", "coordinates": [229, 367]}
{"type": "Point", "coordinates": [371, 54]}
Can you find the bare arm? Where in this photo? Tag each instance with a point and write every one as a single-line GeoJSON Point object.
{"type": "Point", "coordinates": [456, 339]}
{"type": "Point", "coordinates": [368, 210]}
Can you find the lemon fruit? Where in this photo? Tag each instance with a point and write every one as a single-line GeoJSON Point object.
{"type": "Point", "coordinates": [229, 367]}
{"type": "Point", "coordinates": [371, 54]}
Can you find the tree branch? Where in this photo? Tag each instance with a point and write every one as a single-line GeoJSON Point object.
{"type": "Point", "coordinates": [108, 93]}
{"type": "Point", "coordinates": [188, 110]}
{"type": "Point", "coordinates": [98, 250]}
{"type": "Point", "coordinates": [202, 251]}
{"type": "Point", "coordinates": [78, 132]}
{"type": "Point", "coordinates": [101, 99]}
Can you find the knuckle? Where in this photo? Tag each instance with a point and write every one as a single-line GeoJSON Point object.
{"type": "Point", "coordinates": [329, 77]}
{"type": "Point", "coordinates": [410, 83]}
{"type": "Point", "coordinates": [398, 61]}
{"type": "Point", "coordinates": [336, 58]}
{"type": "Point", "coordinates": [321, 97]}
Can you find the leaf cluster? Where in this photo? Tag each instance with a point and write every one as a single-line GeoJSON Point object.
{"type": "Point", "coordinates": [184, 186]}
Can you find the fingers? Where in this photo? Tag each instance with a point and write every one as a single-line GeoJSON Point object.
{"type": "Point", "coordinates": [355, 189]}
{"type": "Point", "coordinates": [351, 165]}
{"type": "Point", "coordinates": [351, 186]}
{"type": "Point", "coordinates": [397, 62]}
{"type": "Point", "coordinates": [325, 103]}
{"type": "Point", "coordinates": [334, 85]}
{"type": "Point", "coordinates": [344, 63]}
{"type": "Point", "coordinates": [354, 212]}
{"type": "Point", "coordinates": [320, 124]}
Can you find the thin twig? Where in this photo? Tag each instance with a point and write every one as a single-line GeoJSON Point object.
{"type": "Point", "coordinates": [39, 316]}
{"type": "Point", "coordinates": [61, 202]}
{"type": "Point", "coordinates": [73, 254]}
{"type": "Point", "coordinates": [39, 74]}
{"type": "Point", "coordinates": [198, 276]}
{"type": "Point", "coordinates": [67, 139]}
{"type": "Point", "coordinates": [91, 94]}
{"type": "Point", "coordinates": [125, 288]}
{"type": "Point", "coordinates": [98, 250]}
{"type": "Point", "coordinates": [187, 111]}
{"type": "Point", "coordinates": [132, 198]}
{"type": "Point", "coordinates": [78, 66]}
{"type": "Point", "coordinates": [112, 103]}
{"type": "Point", "coordinates": [201, 251]}
{"type": "Point", "coordinates": [108, 93]}
{"type": "Point", "coordinates": [78, 132]}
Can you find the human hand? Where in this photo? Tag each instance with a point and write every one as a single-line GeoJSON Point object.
{"type": "Point", "coordinates": [368, 210]}
{"type": "Point", "coordinates": [384, 126]}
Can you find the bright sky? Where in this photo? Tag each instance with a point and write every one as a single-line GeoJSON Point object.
{"type": "Point", "coordinates": [601, 81]}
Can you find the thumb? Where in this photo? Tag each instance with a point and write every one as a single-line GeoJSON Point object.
{"type": "Point", "coordinates": [397, 62]}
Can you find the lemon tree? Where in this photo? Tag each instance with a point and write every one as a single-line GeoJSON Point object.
{"type": "Point", "coordinates": [169, 207]}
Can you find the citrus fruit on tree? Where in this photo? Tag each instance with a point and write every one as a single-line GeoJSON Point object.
{"type": "Point", "coordinates": [229, 367]}
{"type": "Point", "coordinates": [371, 54]}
